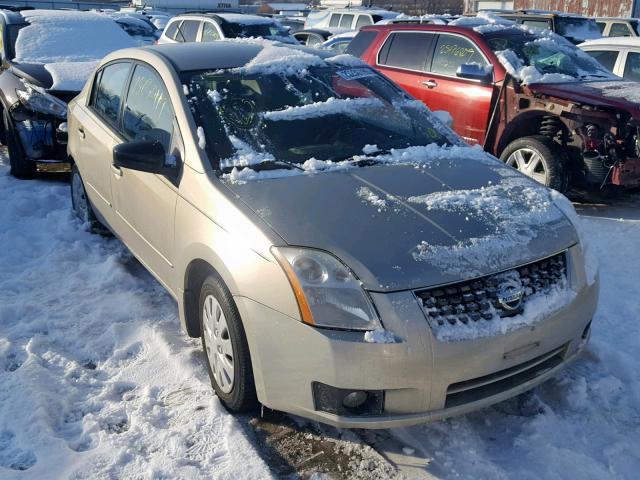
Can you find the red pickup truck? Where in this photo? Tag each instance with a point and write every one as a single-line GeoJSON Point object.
{"type": "Point", "coordinates": [527, 96]}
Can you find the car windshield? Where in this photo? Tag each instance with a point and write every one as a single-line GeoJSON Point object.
{"type": "Point", "coordinates": [577, 28]}
{"type": "Point", "coordinates": [327, 113]}
{"type": "Point", "coordinates": [548, 54]}
{"type": "Point", "coordinates": [271, 31]}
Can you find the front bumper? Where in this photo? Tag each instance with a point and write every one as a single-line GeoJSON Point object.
{"type": "Point", "coordinates": [415, 374]}
{"type": "Point", "coordinates": [39, 135]}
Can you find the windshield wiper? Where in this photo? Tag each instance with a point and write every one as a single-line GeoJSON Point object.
{"type": "Point", "coordinates": [266, 165]}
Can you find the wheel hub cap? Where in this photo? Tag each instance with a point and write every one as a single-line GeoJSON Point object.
{"type": "Point", "coordinates": [530, 163]}
{"type": "Point", "coordinates": [219, 349]}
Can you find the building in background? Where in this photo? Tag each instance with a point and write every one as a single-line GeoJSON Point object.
{"type": "Point", "coordinates": [409, 7]}
{"type": "Point", "coordinates": [589, 8]}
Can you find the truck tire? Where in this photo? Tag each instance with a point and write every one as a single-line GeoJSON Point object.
{"type": "Point", "coordinates": [540, 158]}
{"type": "Point", "coordinates": [225, 347]}
{"type": "Point", "coordinates": [21, 167]}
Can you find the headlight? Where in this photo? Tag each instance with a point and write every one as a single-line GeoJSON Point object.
{"type": "Point", "coordinates": [328, 293]}
{"type": "Point", "coordinates": [40, 101]}
{"type": "Point", "coordinates": [590, 259]}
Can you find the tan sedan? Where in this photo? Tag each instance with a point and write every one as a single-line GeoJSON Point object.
{"type": "Point", "coordinates": [341, 253]}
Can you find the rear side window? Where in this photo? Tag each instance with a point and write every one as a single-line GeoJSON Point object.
{"type": "Point", "coordinates": [452, 51]}
{"type": "Point", "coordinates": [209, 33]}
{"type": "Point", "coordinates": [360, 43]}
{"type": "Point", "coordinates": [188, 31]}
{"type": "Point", "coordinates": [620, 30]}
{"type": "Point", "coordinates": [362, 21]}
{"type": "Point", "coordinates": [606, 57]}
{"type": "Point", "coordinates": [346, 20]}
{"type": "Point", "coordinates": [108, 90]}
{"type": "Point", "coordinates": [541, 24]}
{"type": "Point", "coordinates": [406, 50]}
{"type": "Point", "coordinates": [148, 114]}
{"type": "Point", "coordinates": [632, 67]}
{"type": "Point", "coordinates": [170, 31]}
{"type": "Point", "coordinates": [335, 20]}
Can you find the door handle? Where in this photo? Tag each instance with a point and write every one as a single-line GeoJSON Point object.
{"type": "Point", "coordinates": [81, 133]}
{"type": "Point", "coordinates": [430, 83]}
{"type": "Point", "coordinates": [117, 171]}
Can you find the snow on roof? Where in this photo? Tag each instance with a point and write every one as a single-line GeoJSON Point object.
{"type": "Point", "coordinates": [68, 36]}
{"type": "Point", "coordinates": [613, 41]}
{"type": "Point", "coordinates": [483, 19]}
{"type": "Point", "coordinates": [245, 19]}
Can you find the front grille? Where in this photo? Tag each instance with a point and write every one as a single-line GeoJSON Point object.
{"type": "Point", "coordinates": [483, 387]}
{"type": "Point", "coordinates": [494, 296]}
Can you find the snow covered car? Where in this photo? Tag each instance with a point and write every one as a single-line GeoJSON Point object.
{"type": "Point", "coordinates": [209, 27]}
{"type": "Point", "coordinates": [137, 26]}
{"type": "Point", "coordinates": [48, 56]}
{"type": "Point", "coordinates": [368, 270]}
{"type": "Point", "coordinates": [526, 95]}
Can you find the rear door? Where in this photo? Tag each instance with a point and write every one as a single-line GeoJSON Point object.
{"type": "Point", "coordinates": [96, 125]}
{"type": "Point", "coordinates": [468, 101]}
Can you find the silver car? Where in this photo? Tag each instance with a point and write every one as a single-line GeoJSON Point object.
{"type": "Point", "coordinates": [341, 253]}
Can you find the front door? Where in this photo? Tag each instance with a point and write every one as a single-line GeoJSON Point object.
{"type": "Point", "coordinates": [145, 202]}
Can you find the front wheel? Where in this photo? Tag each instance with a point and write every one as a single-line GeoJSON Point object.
{"type": "Point", "coordinates": [540, 158]}
{"type": "Point", "coordinates": [225, 346]}
{"type": "Point", "coordinates": [21, 167]}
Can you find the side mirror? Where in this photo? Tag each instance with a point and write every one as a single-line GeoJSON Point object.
{"type": "Point", "coordinates": [473, 71]}
{"type": "Point", "coordinates": [143, 156]}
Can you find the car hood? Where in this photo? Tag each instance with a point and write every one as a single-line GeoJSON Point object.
{"type": "Point", "coordinates": [405, 226]}
{"type": "Point", "coordinates": [616, 94]}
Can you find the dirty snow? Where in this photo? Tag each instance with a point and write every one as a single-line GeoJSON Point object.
{"type": "Point", "coordinates": [98, 382]}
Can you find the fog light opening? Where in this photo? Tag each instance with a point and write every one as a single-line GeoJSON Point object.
{"type": "Point", "coordinates": [355, 399]}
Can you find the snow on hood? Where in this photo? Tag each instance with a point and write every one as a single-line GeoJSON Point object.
{"type": "Point", "coordinates": [628, 91]}
{"type": "Point", "coordinates": [56, 36]}
{"type": "Point", "coordinates": [430, 216]}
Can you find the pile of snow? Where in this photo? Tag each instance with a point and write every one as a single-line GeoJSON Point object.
{"type": "Point", "coordinates": [97, 379]}
{"type": "Point", "coordinates": [333, 106]}
{"type": "Point", "coordinates": [481, 21]}
{"type": "Point", "coordinates": [70, 44]}
{"type": "Point", "coordinates": [372, 198]}
{"type": "Point", "coordinates": [380, 335]}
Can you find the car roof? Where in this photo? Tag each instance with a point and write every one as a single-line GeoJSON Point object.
{"type": "Point", "coordinates": [613, 42]}
{"type": "Point", "coordinates": [215, 55]}
{"type": "Point", "coordinates": [616, 19]}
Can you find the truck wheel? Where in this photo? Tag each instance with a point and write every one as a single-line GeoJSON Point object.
{"type": "Point", "coordinates": [539, 158]}
{"type": "Point", "coordinates": [21, 167]}
{"type": "Point", "coordinates": [80, 202]}
{"type": "Point", "coordinates": [225, 346]}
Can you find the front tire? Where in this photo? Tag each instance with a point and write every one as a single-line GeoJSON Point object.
{"type": "Point", "coordinates": [540, 158]}
{"type": "Point", "coordinates": [225, 347]}
{"type": "Point", "coordinates": [21, 167]}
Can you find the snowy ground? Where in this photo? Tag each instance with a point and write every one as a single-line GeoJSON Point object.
{"type": "Point", "coordinates": [96, 380]}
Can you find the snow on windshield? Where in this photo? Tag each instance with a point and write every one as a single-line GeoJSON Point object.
{"type": "Point", "coordinates": [63, 36]}
{"type": "Point", "coordinates": [540, 56]}
{"type": "Point", "coordinates": [322, 109]}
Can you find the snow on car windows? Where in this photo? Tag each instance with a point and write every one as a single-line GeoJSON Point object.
{"type": "Point", "coordinates": [335, 110]}
{"type": "Point", "coordinates": [538, 57]}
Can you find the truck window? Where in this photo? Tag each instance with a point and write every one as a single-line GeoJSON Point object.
{"type": "Point", "coordinates": [619, 30]}
{"type": "Point", "coordinates": [406, 50]}
{"type": "Point", "coordinates": [346, 20]}
{"type": "Point", "coordinates": [335, 20]}
{"type": "Point", "coordinates": [362, 21]}
{"type": "Point", "coordinates": [632, 68]}
{"type": "Point", "coordinates": [606, 57]}
{"type": "Point", "coordinates": [452, 51]}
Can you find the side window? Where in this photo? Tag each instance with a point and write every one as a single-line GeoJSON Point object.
{"type": "Point", "coordinates": [209, 32]}
{"type": "Point", "coordinates": [346, 20]}
{"type": "Point", "coordinates": [541, 24]}
{"type": "Point", "coordinates": [108, 90]}
{"type": "Point", "coordinates": [171, 29]}
{"type": "Point", "coordinates": [314, 40]}
{"type": "Point", "coordinates": [148, 114]}
{"type": "Point", "coordinates": [361, 42]}
{"type": "Point", "coordinates": [362, 21]}
{"type": "Point", "coordinates": [619, 30]}
{"type": "Point", "coordinates": [406, 50]}
{"type": "Point", "coordinates": [632, 67]}
{"type": "Point", "coordinates": [606, 57]}
{"type": "Point", "coordinates": [335, 20]}
{"type": "Point", "coordinates": [601, 26]}
{"type": "Point", "coordinates": [451, 52]}
{"type": "Point", "coordinates": [187, 31]}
